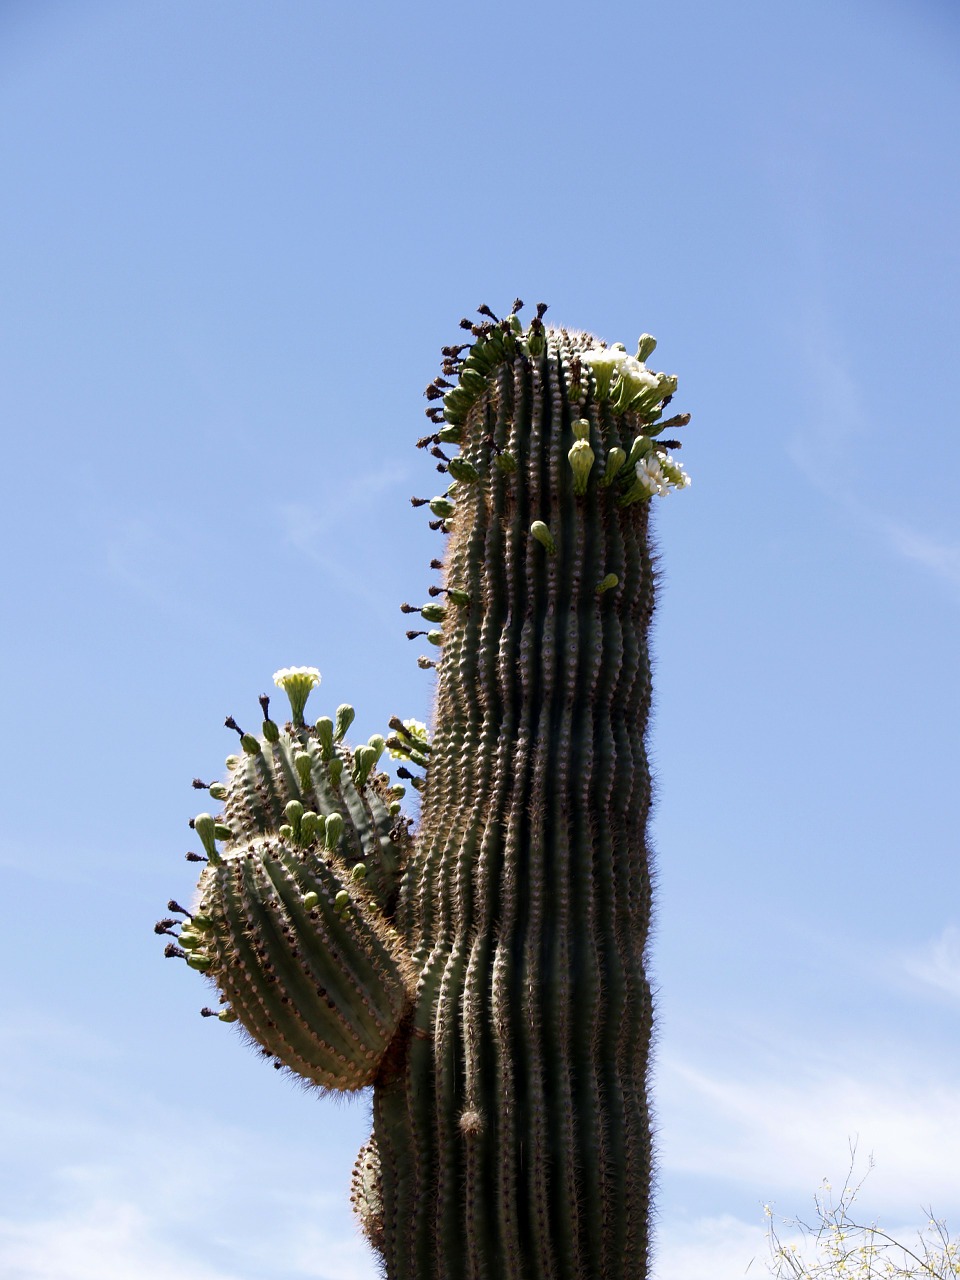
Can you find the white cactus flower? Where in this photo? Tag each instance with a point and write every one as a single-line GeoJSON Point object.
{"type": "Point", "coordinates": [418, 731]}
{"type": "Point", "coordinates": [297, 682]}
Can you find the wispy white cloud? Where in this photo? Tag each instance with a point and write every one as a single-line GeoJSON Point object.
{"type": "Point", "coordinates": [146, 561]}
{"type": "Point", "coordinates": [710, 1248]}
{"type": "Point", "coordinates": [825, 449]}
{"type": "Point", "coordinates": [941, 558]}
{"type": "Point", "coordinates": [937, 964]}
{"type": "Point", "coordinates": [104, 1182]}
{"type": "Point", "coordinates": [95, 1240]}
{"type": "Point", "coordinates": [787, 1129]}
{"type": "Point", "coordinates": [326, 533]}
{"type": "Point", "coordinates": [135, 1215]}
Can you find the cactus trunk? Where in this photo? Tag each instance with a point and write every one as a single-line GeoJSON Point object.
{"type": "Point", "coordinates": [521, 1113]}
{"type": "Point", "coordinates": [511, 1136]}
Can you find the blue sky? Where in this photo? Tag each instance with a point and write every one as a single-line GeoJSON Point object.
{"type": "Point", "coordinates": [235, 235]}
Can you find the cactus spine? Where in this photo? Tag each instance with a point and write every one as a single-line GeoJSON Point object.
{"type": "Point", "coordinates": [488, 977]}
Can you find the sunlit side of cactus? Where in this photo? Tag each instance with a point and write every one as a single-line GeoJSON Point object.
{"type": "Point", "coordinates": [487, 976]}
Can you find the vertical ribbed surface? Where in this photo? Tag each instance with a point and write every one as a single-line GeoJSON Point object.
{"type": "Point", "coordinates": [513, 1137]}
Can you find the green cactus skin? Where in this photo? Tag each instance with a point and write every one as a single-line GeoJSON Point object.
{"type": "Point", "coordinates": [321, 990]}
{"type": "Point", "coordinates": [490, 977]}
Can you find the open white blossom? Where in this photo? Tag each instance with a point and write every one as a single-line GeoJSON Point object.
{"type": "Point", "coordinates": [418, 731]}
{"type": "Point", "coordinates": [297, 683]}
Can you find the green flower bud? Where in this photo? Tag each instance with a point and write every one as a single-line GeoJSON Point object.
{"type": "Point", "coordinates": [457, 402]}
{"type": "Point", "coordinates": [286, 833]}
{"type": "Point", "coordinates": [463, 471]}
{"type": "Point", "coordinates": [271, 731]}
{"type": "Point", "coordinates": [394, 808]}
{"type": "Point", "coordinates": [472, 380]}
{"type": "Point", "coordinates": [345, 718]}
{"type": "Point", "coordinates": [543, 535]}
{"type": "Point", "coordinates": [222, 831]}
{"type": "Point", "coordinates": [581, 458]}
{"type": "Point", "coordinates": [646, 345]}
{"type": "Point", "coordinates": [607, 583]}
{"type": "Point", "coordinates": [333, 830]}
{"type": "Point", "coordinates": [219, 791]}
{"type": "Point", "coordinates": [641, 446]}
{"type": "Point", "coordinates": [250, 744]}
{"type": "Point", "coordinates": [335, 769]}
{"type": "Point", "coordinates": [359, 873]}
{"type": "Point", "coordinates": [310, 900]}
{"type": "Point", "coordinates": [616, 457]}
{"type": "Point", "coordinates": [506, 462]}
{"type": "Point", "coordinates": [341, 901]}
{"type": "Point", "coordinates": [364, 758]}
{"type": "Point", "coordinates": [442, 508]}
{"type": "Point", "coordinates": [199, 962]}
{"type": "Point", "coordinates": [433, 612]}
{"type": "Point", "coordinates": [231, 762]}
{"type": "Point", "coordinates": [309, 827]}
{"type": "Point", "coordinates": [304, 767]}
{"type": "Point", "coordinates": [377, 745]}
{"type": "Point", "coordinates": [324, 728]}
{"type": "Point", "coordinates": [205, 827]}
{"type": "Point", "coordinates": [581, 428]}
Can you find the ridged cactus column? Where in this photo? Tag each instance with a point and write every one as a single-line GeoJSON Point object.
{"type": "Point", "coordinates": [494, 988]}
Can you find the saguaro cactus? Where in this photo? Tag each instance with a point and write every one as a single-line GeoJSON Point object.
{"type": "Point", "coordinates": [486, 973]}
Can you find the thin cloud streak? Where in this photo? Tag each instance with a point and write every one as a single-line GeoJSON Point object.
{"type": "Point", "coordinates": [710, 1248]}
{"type": "Point", "coordinates": [322, 533]}
{"type": "Point", "coordinates": [787, 1129]}
{"type": "Point", "coordinates": [823, 454]}
{"type": "Point", "coordinates": [941, 558]}
{"type": "Point", "coordinates": [937, 965]}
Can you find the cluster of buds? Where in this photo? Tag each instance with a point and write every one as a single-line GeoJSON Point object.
{"type": "Point", "coordinates": [625, 380]}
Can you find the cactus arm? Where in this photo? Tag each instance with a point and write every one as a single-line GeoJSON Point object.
{"type": "Point", "coordinates": [320, 989]}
